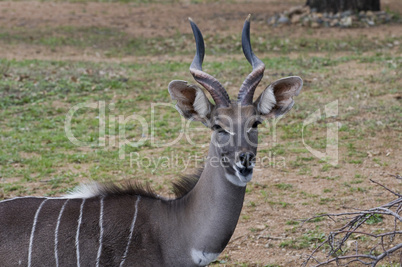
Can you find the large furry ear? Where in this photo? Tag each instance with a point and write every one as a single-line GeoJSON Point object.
{"type": "Point", "coordinates": [192, 103]}
{"type": "Point", "coordinates": [277, 98]}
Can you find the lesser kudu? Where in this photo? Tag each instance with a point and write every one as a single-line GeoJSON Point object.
{"type": "Point", "coordinates": [128, 226]}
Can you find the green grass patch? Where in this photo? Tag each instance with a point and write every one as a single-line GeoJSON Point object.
{"type": "Point", "coordinates": [284, 186]}
{"type": "Point", "coordinates": [116, 43]}
{"type": "Point", "coordinates": [308, 240]}
{"type": "Point", "coordinates": [374, 219]}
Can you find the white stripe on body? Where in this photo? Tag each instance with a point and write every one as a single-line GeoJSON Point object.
{"type": "Point", "coordinates": [33, 232]}
{"type": "Point", "coordinates": [77, 235]}
{"type": "Point", "coordinates": [101, 233]}
{"type": "Point", "coordinates": [131, 232]}
{"type": "Point", "coordinates": [56, 234]}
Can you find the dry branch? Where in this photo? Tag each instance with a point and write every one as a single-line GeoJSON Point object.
{"type": "Point", "coordinates": [386, 243]}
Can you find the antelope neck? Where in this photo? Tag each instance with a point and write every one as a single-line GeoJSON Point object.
{"type": "Point", "coordinates": [209, 213]}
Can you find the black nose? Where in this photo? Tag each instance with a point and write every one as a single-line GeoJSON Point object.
{"type": "Point", "coordinates": [247, 159]}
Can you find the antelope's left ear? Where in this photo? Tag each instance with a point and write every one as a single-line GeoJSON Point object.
{"type": "Point", "coordinates": [277, 98]}
{"type": "Point", "coordinates": [192, 103]}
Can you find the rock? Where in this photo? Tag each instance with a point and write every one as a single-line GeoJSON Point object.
{"type": "Point", "coordinates": [311, 18]}
{"type": "Point", "coordinates": [376, 153]}
{"type": "Point", "coordinates": [378, 13]}
{"type": "Point", "coordinates": [260, 227]}
{"type": "Point", "coordinates": [295, 19]}
{"type": "Point", "coordinates": [283, 20]}
{"type": "Point", "coordinates": [346, 13]}
{"type": "Point", "coordinates": [370, 22]}
{"type": "Point", "coordinates": [346, 22]}
{"type": "Point", "coordinates": [305, 21]}
{"type": "Point", "coordinates": [334, 23]}
{"type": "Point", "coordinates": [315, 24]}
{"type": "Point", "coordinates": [320, 21]}
{"type": "Point", "coordinates": [297, 10]}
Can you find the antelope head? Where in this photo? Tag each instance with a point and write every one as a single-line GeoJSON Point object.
{"type": "Point", "coordinates": [234, 122]}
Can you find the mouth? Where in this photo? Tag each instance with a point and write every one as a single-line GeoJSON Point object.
{"type": "Point", "coordinates": [241, 175]}
{"type": "Point", "coordinates": [244, 171]}
{"type": "Point", "coordinates": [244, 174]}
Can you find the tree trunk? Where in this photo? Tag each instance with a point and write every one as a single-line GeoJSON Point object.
{"type": "Point", "coordinates": [343, 5]}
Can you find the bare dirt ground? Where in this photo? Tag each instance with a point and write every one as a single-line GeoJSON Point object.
{"type": "Point", "coordinates": [159, 20]}
{"type": "Point", "coordinates": [262, 227]}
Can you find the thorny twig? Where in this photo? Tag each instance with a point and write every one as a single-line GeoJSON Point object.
{"type": "Point", "coordinates": [336, 240]}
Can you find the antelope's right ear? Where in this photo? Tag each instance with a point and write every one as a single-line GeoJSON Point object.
{"type": "Point", "coordinates": [192, 103]}
{"type": "Point", "coordinates": [277, 98]}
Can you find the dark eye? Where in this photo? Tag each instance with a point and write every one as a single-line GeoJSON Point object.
{"type": "Point", "coordinates": [255, 124]}
{"type": "Point", "coordinates": [219, 129]}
